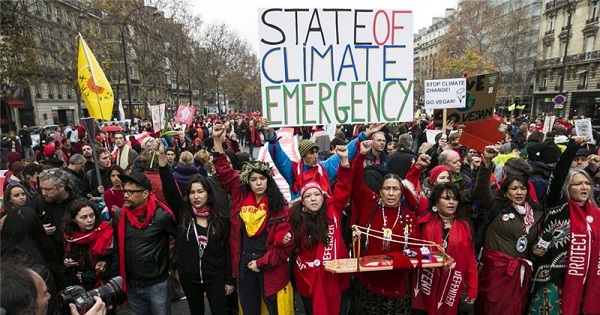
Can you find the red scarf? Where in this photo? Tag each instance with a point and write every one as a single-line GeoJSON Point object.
{"type": "Point", "coordinates": [133, 216]}
{"type": "Point", "coordinates": [100, 239]}
{"type": "Point", "coordinates": [582, 281]}
{"type": "Point", "coordinates": [203, 212]}
{"type": "Point", "coordinates": [252, 135]}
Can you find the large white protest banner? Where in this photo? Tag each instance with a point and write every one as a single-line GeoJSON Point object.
{"type": "Point", "coordinates": [158, 116]}
{"type": "Point", "coordinates": [336, 66]}
{"type": "Point", "coordinates": [445, 93]}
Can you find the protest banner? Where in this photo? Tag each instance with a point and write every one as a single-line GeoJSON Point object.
{"type": "Point", "coordinates": [480, 101]}
{"type": "Point", "coordinates": [336, 66]}
{"type": "Point", "coordinates": [158, 116]}
{"type": "Point", "coordinates": [289, 145]}
{"type": "Point", "coordinates": [583, 128]}
{"type": "Point", "coordinates": [185, 114]}
{"type": "Point", "coordinates": [431, 135]}
{"type": "Point", "coordinates": [445, 93]}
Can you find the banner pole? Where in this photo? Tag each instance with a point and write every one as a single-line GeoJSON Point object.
{"type": "Point", "coordinates": [444, 119]}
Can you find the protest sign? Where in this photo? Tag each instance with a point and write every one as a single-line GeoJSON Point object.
{"type": "Point", "coordinates": [289, 145]}
{"type": "Point", "coordinates": [480, 101]}
{"type": "Point", "coordinates": [583, 128]}
{"type": "Point", "coordinates": [478, 135]}
{"type": "Point", "coordinates": [548, 124]}
{"type": "Point", "coordinates": [445, 93]}
{"type": "Point", "coordinates": [185, 114]}
{"type": "Point", "coordinates": [158, 116]}
{"type": "Point", "coordinates": [336, 66]}
{"type": "Point", "coordinates": [431, 135]}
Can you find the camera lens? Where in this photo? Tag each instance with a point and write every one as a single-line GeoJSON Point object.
{"type": "Point", "coordinates": [111, 292]}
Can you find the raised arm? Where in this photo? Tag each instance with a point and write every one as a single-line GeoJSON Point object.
{"type": "Point", "coordinates": [343, 186]}
{"type": "Point", "coordinates": [172, 194]}
{"type": "Point", "coordinates": [559, 174]}
{"type": "Point", "coordinates": [280, 159]}
{"type": "Point", "coordinates": [228, 177]}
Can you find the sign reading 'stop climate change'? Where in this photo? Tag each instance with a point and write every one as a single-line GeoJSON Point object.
{"type": "Point", "coordinates": [322, 66]}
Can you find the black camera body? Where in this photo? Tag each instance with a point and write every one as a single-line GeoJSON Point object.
{"type": "Point", "coordinates": [111, 293]}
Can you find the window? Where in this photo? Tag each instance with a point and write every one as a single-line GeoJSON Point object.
{"type": "Point", "coordinates": [567, 20]}
{"type": "Point", "coordinates": [548, 50]}
{"type": "Point", "coordinates": [550, 25]}
{"type": "Point", "coordinates": [545, 81]}
{"type": "Point", "coordinates": [48, 8]}
{"type": "Point", "coordinates": [594, 10]}
{"type": "Point", "coordinates": [583, 79]}
{"type": "Point", "coordinates": [589, 44]}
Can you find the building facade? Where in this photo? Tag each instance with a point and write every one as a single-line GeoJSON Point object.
{"type": "Point", "coordinates": [427, 43]}
{"type": "Point", "coordinates": [568, 57]}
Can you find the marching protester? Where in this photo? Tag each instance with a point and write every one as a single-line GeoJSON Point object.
{"type": "Point", "coordinates": [90, 255]}
{"type": "Point", "coordinates": [450, 227]}
{"type": "Point", "coordinates": [317, 230]}
{"type": "Point", "coordinates": [567, 275]}
{"type": "Point", "coordinates": [142, 230]}
{"type": "Point", "coordinates": [508, 233]}
{"type": "Point", "coordinates": [260, 240]}
{"type": "Point", "coordinates": [203, 256]}
{"type": "Point", "coordinates": [390, 211]}
{"type": "Point", "coordinates": [124, 155]}
{"type": "Point", "coordinates": [114, 195]}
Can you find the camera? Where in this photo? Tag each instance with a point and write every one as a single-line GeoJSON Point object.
{"type": "Point", "coordinates": [111, 293]}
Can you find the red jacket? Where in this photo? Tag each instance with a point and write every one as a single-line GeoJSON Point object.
{"type": "Point", "coordinates": [325, 288]}
{"type": "Point", "coordinates": [438, 290]}
{"type": "Point", "coordinates": [392, 283]}
{"type": "Point", "coordinates": [274, 263]}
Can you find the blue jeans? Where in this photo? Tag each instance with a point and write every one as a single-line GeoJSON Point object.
{"type": "Point", "coordinates": [154, 299]}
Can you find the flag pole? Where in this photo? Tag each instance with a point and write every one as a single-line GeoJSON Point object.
{"type": "Point", "coordinates": [87, 58]}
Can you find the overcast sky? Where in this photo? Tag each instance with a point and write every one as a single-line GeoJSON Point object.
{"type": "Point", "coordinates": [242, 16]}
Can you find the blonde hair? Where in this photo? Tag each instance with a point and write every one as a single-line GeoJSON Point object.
{"type": "Point", "coordinates": [206, 159]}
{"type": "Point", "coordinates": [186, 158]}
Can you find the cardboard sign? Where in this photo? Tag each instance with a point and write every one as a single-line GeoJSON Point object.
{"type": "Point", "coordinates": [583, 128]}
{"type": "Point", "coordinates": [548, 124]}
{"type": "Point", "coordinates": [185, 114]}
{"type": "Point", "coordinates": [480, 101]}
{"type": "Point", "coordinates": [478, 135]}
{"type": "Point", "coordinates": [445, 93]}
{"type": "Point", "coordinates": [336, 66]}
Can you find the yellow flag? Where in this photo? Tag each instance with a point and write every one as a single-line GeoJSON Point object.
{"type": "Point", "coordinates": [511, 107]}
{"type": "Point", "coordinates": [95, 89]}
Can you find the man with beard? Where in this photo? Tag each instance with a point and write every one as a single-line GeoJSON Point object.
{"type": "Point", "coordinates": [75, 172]}
{"type": "Point", "coordinates": [91, 184]}
{"type": "Point", "coordinates": [56, 197]}
{"type": "Point", "coordinates": [142, 229]}
{"type": "Point", "coordinates": [86, 151]}
{"type": "Point", "coordinates": [124, 155]}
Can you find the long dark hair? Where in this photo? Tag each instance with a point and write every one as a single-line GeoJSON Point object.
{"type": "Point", "coordinates": [6, 198]}
{"type": "Point", "coordinates": [503, 201]}
{"type": "Point", "coordinates": [216, 218]}
{"type": "Point", "coordinates": [275, 198]}
{"type": "Point", "coordinates": [309, 228]}
{"type": "Point", "coordinates": [114, 167]}
{"type": "Point", "coordinates": [23, 235]}
{"type": "Point", "coordinates": [69, 225]}
{"type": "Point", "coordinates": [439, 191]}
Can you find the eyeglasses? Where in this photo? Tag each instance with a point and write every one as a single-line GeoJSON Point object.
{"type": "Point", "coordinates": [131, 192]}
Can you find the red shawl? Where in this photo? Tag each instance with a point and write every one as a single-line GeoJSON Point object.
{"type": "Point", "coordinates": [133, 216]}
{"type": "Point", "coordinates": [438, 291]}
{"type": "Point", "coordinates": [99, 239]}
{"type": "Point", "coordinates": [312, 280]}
{"type": "Point", "coordinates": [583, 270]}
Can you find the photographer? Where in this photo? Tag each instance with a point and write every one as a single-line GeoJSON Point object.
{"type": "Point", "coordinates": [24, 292]}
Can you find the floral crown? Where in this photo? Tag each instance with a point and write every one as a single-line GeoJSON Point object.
{"type": "Point", "coordinates": [257, 167]}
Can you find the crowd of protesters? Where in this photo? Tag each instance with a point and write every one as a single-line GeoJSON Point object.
{"type": "Point", "coordinates": [194, 215]}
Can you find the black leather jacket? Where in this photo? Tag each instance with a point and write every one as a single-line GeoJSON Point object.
{"type": "Point", "coordinates": [147, 250]}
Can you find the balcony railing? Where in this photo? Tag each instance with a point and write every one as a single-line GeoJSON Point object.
{"type": "Point", "coordinates": [556, 88]}
{"type": "Point", "coordinates": [571, 58]}
{"type": "Point", "coordinates": [549, 32]}
{"type": "Point", "coordinates": [542, 88]}
{"type": "Point", "coordinates": [554, 4]}
{"type": "Point", "coordinates": [581, 86]}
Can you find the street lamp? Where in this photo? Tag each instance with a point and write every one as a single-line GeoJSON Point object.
{"type": "Point", "coordinates": [571, 7]}
{"type": "Point", "coordinates": [124, 47]}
